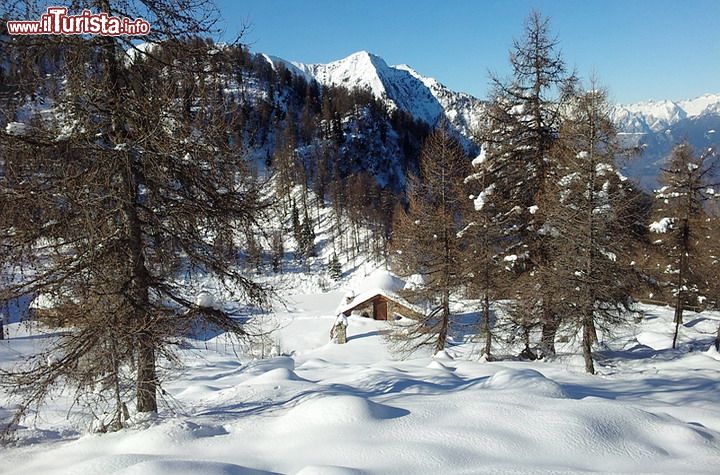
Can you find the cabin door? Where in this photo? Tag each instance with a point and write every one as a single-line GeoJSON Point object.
{"type": "Point", "coordinates": [380, 310]}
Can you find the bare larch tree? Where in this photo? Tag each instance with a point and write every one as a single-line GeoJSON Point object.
{"type": "Point", "coordinates": [590, 211]}
{"type": "Point", "coordinates": [522, 128]}
{"type": "Point", "coordinates": [688, 182]}
{"type": "Point", "coordinates": [426, 240]}
{"type": "Point", "coordinates": [114, 195]}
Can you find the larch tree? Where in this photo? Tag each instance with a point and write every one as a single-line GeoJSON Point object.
{"type": "Point", "coordinates": [426, 241]}
{"type": "Point", "coordinates": [115, 195]}
{"type": "Point", "coordinates": [591, 213]}
{"type": "Point", "coordinates": [689, 181]}
{"type": "Point", "coordinates": [521, 130]}
{"type": "Point", "coordinates": [484, 240]}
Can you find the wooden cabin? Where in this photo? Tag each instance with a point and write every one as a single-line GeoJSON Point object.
{"type": "Point", "coordinates": [379, 305]}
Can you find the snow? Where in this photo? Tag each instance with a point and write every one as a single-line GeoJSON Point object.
{"type": "Point", "coordinates": [700, 105]}
{"type": "Point", "coordinates": [17, 128]}
{"type": "Point", "coordinates": [414, 282]}
{"type": "Point", "coordinates": [305, 405]}
{"type": "Point", "coordinates": [140, 49]}
{"type": "Point", "coordinates": [207, 299]}
{"type": "Point", "coordinates": [610, 255]}
{"type": "Point", "coordinates": [443, 355]}
{"type": "Point", "coordinates": [355, 408]}
{"type": "Point", "coordinates": [462, 232]}
{"type": "Point", "coordinates": [662, 226]}
{"type": "Point", "coordinates": [480, 159]}
{"type": "Point", "coordinates": [342, 320]}
{"type": "Point", "coordinates": [603, 168]}
{"type": "Point", "coordinates": [479, 201]}
{"type": "Point", "coordinates": [380, 279]}
{"type": "Point", "coordinates": [43, 302]}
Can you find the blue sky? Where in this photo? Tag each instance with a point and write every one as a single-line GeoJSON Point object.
{"type": "Point", "coordinates": [640, 49]}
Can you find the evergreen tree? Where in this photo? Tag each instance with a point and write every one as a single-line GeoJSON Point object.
{"type": "Point", "coordinates": [334, 267]}
{"type": "Point", "coordinates": [285, 156]}
{"type": "Point", "coordinates": [278, 251]}
{"type": "Point", "coordinates": [254, 253]}
{"type": "Point", "coordinates": [307, 239]}
{"type": "Point", "coordinates": [296, 227]}
{"type": "Point", "coordinates": [483, 236]}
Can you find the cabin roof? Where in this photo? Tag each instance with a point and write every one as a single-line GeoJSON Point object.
{"type": "Point", "coordinates": [370, 294]}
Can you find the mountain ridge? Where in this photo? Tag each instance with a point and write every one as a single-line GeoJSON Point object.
{"type": "Point", "coordinates": [400, 87]}
{"type": "Point", "coordinates": [654, 125]}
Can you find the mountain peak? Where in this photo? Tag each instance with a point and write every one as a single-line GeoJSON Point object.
{"type": "Point", "coordinates": [361, 55]}
{"type": "Point", "coordinates": [400, 87]}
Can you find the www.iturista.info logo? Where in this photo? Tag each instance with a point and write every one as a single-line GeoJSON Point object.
{"type": "Point", "coordinates": [56, 21]}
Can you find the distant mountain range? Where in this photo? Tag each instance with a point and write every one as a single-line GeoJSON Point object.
{"type": "Point", "coordinates": [655, 125]}
{"type": "Point", "coordinates": [658, 125]}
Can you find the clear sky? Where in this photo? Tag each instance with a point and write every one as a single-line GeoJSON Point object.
{"type": "Point", "coordinates": [640, 49]}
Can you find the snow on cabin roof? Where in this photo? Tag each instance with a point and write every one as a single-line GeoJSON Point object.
{"type": "Point", "coordinates": [380, 282]}
{"type": "Point", "coordinates": [380, 279]}
{"type": "Point", "coordinates": [372, 293]}
{"type": "Point", "coordinates": [43, 302]}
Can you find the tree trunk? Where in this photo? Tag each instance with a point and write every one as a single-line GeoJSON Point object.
{"type": "Point", "coordinates": [138, 275]}
{"type": "Point", "coordinates": [140, 298]}
{"type": "Point", "coordinates": [549, 329]}
{"type": "Point", "coordinates": [146, 377]}
{"type": "Point", "coordinates": [444, 323]}
{"type": "Point", "coordinates": [588, 329]}
{"type": "Point", "coordinates": [486, 325]}
{"type": "Point", "coordinates": [717, 340]}
{"type": "Point", "coordinates": [678, 318]}
{"type": "Point", "coordinates": [680, 300]}
{"type": "Point", "coordinates": [593, 333]}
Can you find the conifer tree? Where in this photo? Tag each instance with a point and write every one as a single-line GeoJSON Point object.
{"type": "Point", "coordinates": [308, 237]}
{"type": "Point", "coordinates": [426, 242]}
{"type": "Point", "coordinates": [483, 235]}
{"type": "Point", "coordinates": [131, 177]}
{"type": "Point", "coordinates": [590, 211]}
{"type": "Point", "coordinates": [278, 251]}
{"type": "Point", "coordinates": [523, 122]}
{"type": "Point", "coordinates": [334, 267]}
{"type": "Point", "coordinates": [689, 181]}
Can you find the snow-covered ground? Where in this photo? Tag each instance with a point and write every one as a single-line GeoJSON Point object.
{"type": "Point", "coordinates": [354, 408]}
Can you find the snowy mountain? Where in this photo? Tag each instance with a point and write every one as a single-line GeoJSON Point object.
{"type": "Point", "coordinates": [401, 87]}
{"type": "Point", "coordinates": [658, 116]}
{"type": "Point", "coordinates": [654, 125]}
{"type": "Point", "coordinates": [657, 126]}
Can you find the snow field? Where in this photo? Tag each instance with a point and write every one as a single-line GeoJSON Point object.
{"type": "Point", "coordinates": [354, 408]}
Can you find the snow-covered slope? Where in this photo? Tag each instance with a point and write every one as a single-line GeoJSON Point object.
{"type": "Point", "coordinates": [399, 86]}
